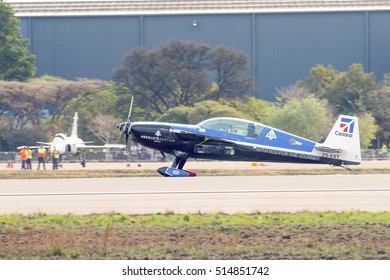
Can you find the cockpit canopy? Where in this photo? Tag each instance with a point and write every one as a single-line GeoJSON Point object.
{"type": "Point", "coordinates": [60, 136]}
{"type": "Point", "coordinates": [232, 125]}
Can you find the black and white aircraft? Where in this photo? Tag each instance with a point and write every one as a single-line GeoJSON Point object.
{"type": "Point", "coordinates": [236, 139]}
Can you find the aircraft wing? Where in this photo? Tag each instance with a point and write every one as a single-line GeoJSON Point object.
{"type": "Point", "coordinates": [34, 147]}
{"type": "Point", "coordinates": [189, 135]}
{"type": "Point", "coordinates": [47, 144]}
{"type": "Point", "coordinates": [83, 147]}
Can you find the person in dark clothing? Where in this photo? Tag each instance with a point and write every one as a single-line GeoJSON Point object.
{"type": "Point", "coordinates": [252, 130]}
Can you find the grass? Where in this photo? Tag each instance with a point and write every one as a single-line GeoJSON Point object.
{"type": "Point", "coordinates": [323, 235]}
{"type": "Point", "coordinates": [45, 174]}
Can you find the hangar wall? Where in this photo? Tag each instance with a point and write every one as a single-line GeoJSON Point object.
{"type": "Point", "coordinates": [282, 47]}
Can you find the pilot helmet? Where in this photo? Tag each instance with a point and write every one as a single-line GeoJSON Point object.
{"type": "Point", "coordinates": [251, 126]}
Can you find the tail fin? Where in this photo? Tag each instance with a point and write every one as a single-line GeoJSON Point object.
{"type": "Point", "coordinates": [74, 126]}
{"type": "Point", "coordinates": [345, 137]}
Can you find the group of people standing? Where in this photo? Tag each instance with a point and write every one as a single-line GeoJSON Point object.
{"type": "Point", "coordinates": [26, 158]}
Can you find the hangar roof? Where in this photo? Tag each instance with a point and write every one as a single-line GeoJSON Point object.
{"type": "Point", "coordinates": [25, 8]}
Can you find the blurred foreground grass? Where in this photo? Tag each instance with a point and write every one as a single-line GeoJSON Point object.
{"type": "Point", "coordinates": [323, 235]}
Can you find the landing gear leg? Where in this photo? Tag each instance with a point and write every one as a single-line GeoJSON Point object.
{"type": "Point", "coordinates": [82, 159]}
{"type": "Point", "coordinates": [179, 162]}
{"type": "Point", "coordinates": [176, 169]}
{"type": "Point", "coordinates": [348, 168]}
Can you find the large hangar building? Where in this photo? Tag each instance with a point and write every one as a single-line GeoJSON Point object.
{"type": "Point", "coordinates": [283, 39]}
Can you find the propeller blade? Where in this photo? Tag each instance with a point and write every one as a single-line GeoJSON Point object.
{"type": "Point", "coordinates": [129, 128]}
{"type": "Point", "coordinates": [131, 108]}
{"type": "Point", "coordinates": [125, 127]}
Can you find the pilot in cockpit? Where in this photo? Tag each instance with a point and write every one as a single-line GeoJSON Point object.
{"type": "Point", "coordinates": [252, 130]}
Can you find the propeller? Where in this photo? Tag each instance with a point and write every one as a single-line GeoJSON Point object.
{"type": "Point", "coordinates": [126, 126]}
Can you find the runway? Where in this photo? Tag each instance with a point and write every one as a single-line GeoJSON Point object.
{"type": "Point", "coordinates": [236, 194]}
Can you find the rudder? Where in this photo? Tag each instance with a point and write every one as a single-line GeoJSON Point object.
{"type": "Point", "coordinates": [345, 137]}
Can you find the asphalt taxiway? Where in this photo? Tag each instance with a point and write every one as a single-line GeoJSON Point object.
{"type": "Point", "coordinates": [228, 194]}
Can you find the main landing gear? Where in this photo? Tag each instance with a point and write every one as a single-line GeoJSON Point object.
{"type": "Point", "coordinates": [348, 168]}
{"type": "Point", "coordinates": [82, 159]}
{"type": "Point", "coordinates": [176, 170]}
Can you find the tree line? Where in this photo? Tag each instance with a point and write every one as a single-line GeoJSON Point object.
{"type": "Point", "coordinates": [180, 81]}
{"type": "Point", "coordinates": [40, 107]}
{"type": "Point", "coordinates": [182, 73]}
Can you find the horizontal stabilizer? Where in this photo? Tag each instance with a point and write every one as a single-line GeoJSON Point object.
{"type": "Point", "coordinates": [327, 150]}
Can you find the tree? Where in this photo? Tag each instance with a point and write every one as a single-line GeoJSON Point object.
{"type": "Point", "coordinates": [344, 91]}
{"type": "Point", "coordinates": [144, 73]}
{"type": "Point", "coordinates": [289, 93]}
{"type": "Point", "coordinates": [104, 128]}
{"type": "Point", "coordinates": [66, 97]}
{"type": "Point", "coordinates": [377, 103]}
{"type": "Point", "coordinates": [176, 115]}
{"type": "Point", "coordinates": [94, 108]}
{"type": "Point", "coordinates": [22, 103]}
{"type": "Point", "coordinates": [350, 89]}
{"type": "Point", "coordinates": [250, 107]}
{"type": "Point", "coordinates": [46, 105]}
{"type": "Point", "coordinates": [16, 64]}
{"type": "Point", "coordinates": [165, 78]}
{"type": "Point", "coordinates": [308, 118]}
{"type": "Point", "coordinates": [199, 112]}
{"type": "Point", "coordinates": [367, 128]}
{"type": "Point", "coordinates": [228, 66]}
{"type": "Point", "coordinates": [22, 137]}
{"type": "Point", "coordinates": [180, 73]}
{"type": "Point", "coordinates": [123, 100]}
{"type": "Point", "coordinates": [211, 109]}
{"type": "Point", "coordinates": [321, 80]}
{"type": "Point", "coordinates": [186, 62]}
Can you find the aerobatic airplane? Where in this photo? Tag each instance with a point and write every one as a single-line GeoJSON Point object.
{"type": "Point", "coordinates": [236, 139]}
{"type": "Point", "coordinates": [74, 145]}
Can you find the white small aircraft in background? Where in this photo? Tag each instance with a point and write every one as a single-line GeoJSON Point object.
{"type": "Point", "coordinates": [74, 145]}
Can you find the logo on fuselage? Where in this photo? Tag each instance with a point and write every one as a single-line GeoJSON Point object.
{"type": "Point", "coordinates": [295, 142]}
{"type": "Point", "coordinates": [158, 133]}
{"type": "Point", "coordinates": [271, 135]}
{"type": "Point", "coordinates": [347, 126]}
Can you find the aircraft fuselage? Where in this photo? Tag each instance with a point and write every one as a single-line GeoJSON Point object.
{"type": "Point", "coordinates": [192, 141]}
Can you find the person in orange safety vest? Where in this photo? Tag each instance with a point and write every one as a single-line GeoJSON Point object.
{"type": "Point", "coordinates": [41, 157]}
{"type": "Point", "coordinates": [29, 157]}
{"type": "Point", "coordinates": [23, 157]}
{"type": "Point", "coordinates": [56, 159]}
